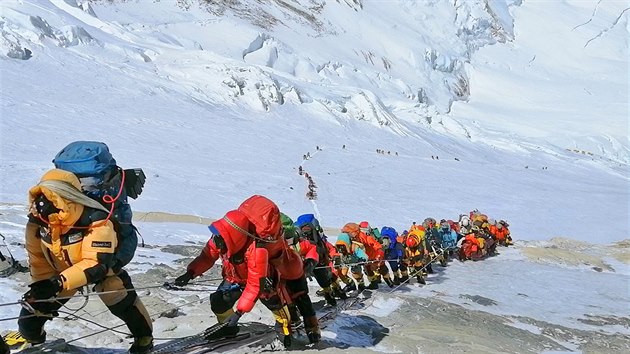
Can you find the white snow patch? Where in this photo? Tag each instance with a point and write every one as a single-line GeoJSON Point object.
{"type": "Point", "coordinates": [382, 306]}
{"type": "Point", "coordinates": [526, 326]}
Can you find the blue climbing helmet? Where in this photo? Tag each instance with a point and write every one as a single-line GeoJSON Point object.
{"type": "Point", "coordinates": [309, 228]}
{"type": "Point", "coordinates": [307, 219]}
{"type": "Point", "coordinates": [390, 234]}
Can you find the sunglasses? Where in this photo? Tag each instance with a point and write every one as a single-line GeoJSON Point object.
{"type": "Point", "coordinates": [44, 207]}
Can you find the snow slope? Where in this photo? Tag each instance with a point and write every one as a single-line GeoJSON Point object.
{"type": "Point", "coordinates": [509, 303]}
{"type": "Point", "coordinates": [565, 78]}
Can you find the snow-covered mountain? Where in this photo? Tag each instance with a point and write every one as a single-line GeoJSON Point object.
{"type": "Point", "coordinates": [519, 109]}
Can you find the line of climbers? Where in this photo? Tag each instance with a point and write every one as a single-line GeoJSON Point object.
{"type": "Point", "coordinates": [79, 232]}
{"type": "Point", "coordinates": [383, 152]}
{"type": "Point", "coordinates": [478, 236]}
{"type": "Point", "coordinates": [311, 194]}
{"type": "Point", "coordinates": [365, 252]}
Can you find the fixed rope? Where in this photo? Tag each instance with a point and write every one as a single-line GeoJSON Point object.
{"type": "Point", "coordinates": [356, 263]}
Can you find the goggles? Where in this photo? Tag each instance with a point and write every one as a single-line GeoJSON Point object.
{"type": "Point", "coordinates": [44, 207]}
{"type": "Point", "coordinates": [217, 239]}
{"type": "Point", "coordinates": [307, 231]}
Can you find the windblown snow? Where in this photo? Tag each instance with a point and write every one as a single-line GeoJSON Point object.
{"type": "Point", "coordinates": [519, 109]}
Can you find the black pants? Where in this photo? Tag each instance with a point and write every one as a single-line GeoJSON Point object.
{"type": "Point", "coordinates": [298, 289]}
{"type": "Point", "coordinates": [323, 276]}
{"type": "Point", "coordinates": [123, 304]}
{"type": "Point", "coordinates": [228, 293]}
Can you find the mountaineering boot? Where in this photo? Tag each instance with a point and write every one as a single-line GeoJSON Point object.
{"type": "Point", "coordinates": [429, 268]}
{"type": "Point", "coordinates": [374, 281]}
{"type": "Point", "coordinates": [338, 292]}
{"type": "Point", "coordinates": [224, 331]}
{"type": "Point", "coordinates": [141, 345]}
{"type": "Point", "coordinates": [284, 338]}
{"type": "Point", "coordinates": [359, 279]}
{"type": "Point", "coordinates": [16, 340]}
{"type": "Point", "coordinates": [350, 287]}
{"type": "Point", "coordinates": [444, 259]}
{"type": "Point", "coordinates": [330, 299]}
{"type": "Point", "coordinates": [420, 279]}
{"type": "Point", "coordinates": [404, 279]}
{"type": "Point", "coordinates": [389, 282]}
{"type": "Point", "coordinates": [320, 292]}
{"type": "Point", "coordinates": [362, 286]}
{"type": "Point", "coordinates": [4, 348]}
{"type": "Point", "coordinates": [311, 325]}
{"type": "Point", "coordinates": [283, 325]}
{"type": "Point", "coordinates": [396, 280]}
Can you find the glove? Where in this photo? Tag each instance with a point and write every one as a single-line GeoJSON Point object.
{"type": "Point", "coordinates": [337, 260]}
{"type": "Point", "coordinates": [184, 278]}
{"type": "Point", "coordinates": [134, 182]}
{"type": "Point", "coordinates": [44, 289]}
{"type": "Point", "coordinates": [309, 266]}
{"type": "Point", "coordinates": [117, 266]}
{"type": "Point", "coordinates": [232, 321]}
{"type": "Point", "coordinates": [46, 308]}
